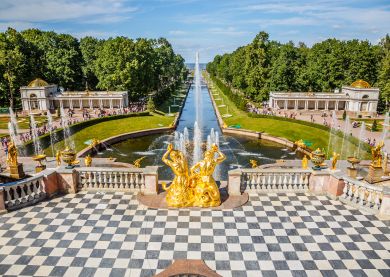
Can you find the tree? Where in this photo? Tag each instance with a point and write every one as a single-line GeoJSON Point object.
{"type": "Point", "coordinates": [384, 71]}
{"type": "Point", "coordinates": [11, 63]}
{"type": "Point", "coordinates": [89, 47]}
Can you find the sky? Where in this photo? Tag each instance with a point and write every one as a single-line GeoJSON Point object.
{"type": "Point", "coordinates": [209, 26]}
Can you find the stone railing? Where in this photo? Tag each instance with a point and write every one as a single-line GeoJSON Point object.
{"type": "Point", "coordinates": [264, 180]}
{"type": "Point", "coordinates": [143, 180]}
{"type": "Point", "coordinates": [363, 195]}
{"type": "Point", "coordinates": [24, 192]}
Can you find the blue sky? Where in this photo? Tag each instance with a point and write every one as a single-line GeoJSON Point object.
{"type": "Point", "coordinates": [208, 26]}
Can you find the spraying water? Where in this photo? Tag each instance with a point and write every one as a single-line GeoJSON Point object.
{"type": "Point", "coordinates": [198, 92]}
{"type": "Point", "coordinates": [67, 134]}
{"type": "Point", "coordinates": [197, 141]}
{"type": "Point", "coordinates": [333, 137]}
{"type": "Point", "coordinates": [345, 144]}
{"type": "Point", "coordinates": [35, 135]}
{"type": "Point", "coordinates": [13, 128]}
{"type": "Point", "coordinates": [385, 127]}
{"type": "Point", "coordinates": [50, 126]}
{"type": "Point", "coordinates": [362, 137]}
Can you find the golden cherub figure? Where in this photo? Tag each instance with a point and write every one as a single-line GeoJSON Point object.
{"type": "Point", "coordinates": [305, 162]}
{"type": "Point", "coordinates": [377, 155]}
{"type": "Point", "coordinates": [334, 160]}
{"type": "Point", "coordinates": [88, 161]}
{"type": "Point", "coordinates": [58, 157]}
{"type": "Point", "coordinates": [253, 163]}
{"type": "Point", "coordinates": [12, 157]}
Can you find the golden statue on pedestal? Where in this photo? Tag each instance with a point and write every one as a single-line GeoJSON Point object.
{"type": "Point", "coordinates": [137, 162]}
{"type": "Point", "coordinates": [305, 162]}
{"type": "Point", "coordinates": [377, 155]}
{"type": "Point", "coordinates": [58, 157]}
{"type": "Point", "coordinates": [88, 161]}
{"type": "Point", "coordinates": [198, 189]}
{"type": "Point", "coordinates": [253, 163]}
{"type": "Point", "coordinates": [12, 157]}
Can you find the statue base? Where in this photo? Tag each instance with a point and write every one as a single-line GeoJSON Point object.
{"type": "Point", "coordinates": [16, 171]}
{"type": "Point", "coordinates": [40, 168]}
{"type": "Point", "coordinates": [375, 174]}
{"type": "Point", "coordinates": [352, 172]}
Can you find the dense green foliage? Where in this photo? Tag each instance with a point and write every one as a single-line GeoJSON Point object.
{"type": "Point", "coordinates": [141, 66]}
{"type": "Point", "coordinates": [265, 65]}
{"type": "Point", "coordinates": [237, 99]}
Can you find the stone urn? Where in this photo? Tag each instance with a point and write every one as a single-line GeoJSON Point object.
{"type": "Point", "coordinates": [352, 170]}
{"type": "Point", "coordinates": [68, 156]}
{"type": "Point", "coordinates": [317, 157]}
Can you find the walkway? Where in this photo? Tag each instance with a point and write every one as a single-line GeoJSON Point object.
{"type": "Point", "coordinates": [277, 234]}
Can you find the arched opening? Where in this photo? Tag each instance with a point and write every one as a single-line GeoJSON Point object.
{"type": "Point", "coordinates": [34, 105]}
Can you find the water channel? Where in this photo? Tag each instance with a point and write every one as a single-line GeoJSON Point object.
{"type": "Point", "coordinates": [239, 150]}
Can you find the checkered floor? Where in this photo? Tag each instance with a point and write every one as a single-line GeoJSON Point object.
{"type": "Point", "coordinates": [94, 234]}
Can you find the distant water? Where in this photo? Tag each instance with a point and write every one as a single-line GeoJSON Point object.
{"type": "Point", "coordinates": [191, 66]}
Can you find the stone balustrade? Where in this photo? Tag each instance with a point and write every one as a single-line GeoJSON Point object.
{"type": "Point", "coordinates": [24, 192]}
{"type": "Point", "coordinates": [143, 180]}
{"type": "Point", "coordinates": [361, 194]}
{"type": "Point", "coordinates": [264, 180]}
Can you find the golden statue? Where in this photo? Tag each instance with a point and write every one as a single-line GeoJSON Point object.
{"type": "Point", "coordinates": [12, 157]}
{"type": "Point", "coordinates": [198, 189]}
{"type": "Point", "coordinates": [300, 143]}
{"type": "Point", "coordinates": [305, 162]}
{"type": "Point", "coordinates": [334, 160]}
{"type": "Point", "coordinates": [88, 161]}
{"type": "Point", "coordinates": [376, 155]}
{"type": "Point", "coordinates": [95, 142]}
{"type": "Point", "coordinates": [58, 157]}
{"type": "Point", "coordinates": [206, 192]}
{"type": "Point", "coordinates": [178, 193]}
{"type": "Point", "coordinates": [253, 163]}
{"type": "Point", "coordinates": [137, 162]}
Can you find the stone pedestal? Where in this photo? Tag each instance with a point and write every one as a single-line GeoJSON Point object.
{"type": "Point", "coordinates": [384, 211]}
{"type": "Point", "coordinates": [67, 180]}
{"type": "Point", "coordinates": [151, 180]}
{"type": "Point", "coordinates": [319, 181]}
{"type": "Point", "coordinates": [3, 210]}
{"type": "Point", "coordinates": [234, 182]}
{"type": "Point", "coordinates": [352, 172]}
{"type": "Point", "coordinates": [375, 174]}
{"type": "Point", "coordinates": [16, 171]}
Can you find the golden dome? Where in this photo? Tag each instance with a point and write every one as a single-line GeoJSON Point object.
{"type": "Point", "coordinates": [360, 84]}
{"type": "Point", "coordinates": [37, 83]}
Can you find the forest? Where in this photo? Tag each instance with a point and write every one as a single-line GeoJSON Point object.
{"type": "Point", "coordinates": [265, 65]}
{"type": "Point", "coordinates": [141, 66]}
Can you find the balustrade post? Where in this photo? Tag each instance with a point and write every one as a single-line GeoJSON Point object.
{"type": "Point", "coordinates": [151, 180]}
{"type": "Point", "coordinates": [384, 209]}
{"type": "Point", "coordinates": [2, 202]}
{"type": "Point", "coordinates": [234, 182]}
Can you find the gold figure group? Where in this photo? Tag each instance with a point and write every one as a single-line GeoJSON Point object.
{"type": "Point", "coordinates": [195, 187]}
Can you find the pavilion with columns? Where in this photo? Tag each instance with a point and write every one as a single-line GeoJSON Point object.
{"type": "Point", "coordinates": [41, 96]}
{"type": "Point", "coordinates": [358, 98]}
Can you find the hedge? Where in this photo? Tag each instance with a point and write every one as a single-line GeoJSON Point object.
{"type": "Point", "coordinates": [237, 99]}
{"type": "Point", "coordinates": [74, 128]}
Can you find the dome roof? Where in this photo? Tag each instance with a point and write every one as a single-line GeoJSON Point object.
{"type": "Point", "coordinates": [360, 84]}
{"type": "Point", "coordinates": [37, 83]}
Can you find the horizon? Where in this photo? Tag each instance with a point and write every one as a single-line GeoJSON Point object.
{"type": "Point", "coordinates": [210, 27]}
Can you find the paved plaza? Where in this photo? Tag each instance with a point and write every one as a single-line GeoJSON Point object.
{"type": "Point", "coordinates": [110, 234]}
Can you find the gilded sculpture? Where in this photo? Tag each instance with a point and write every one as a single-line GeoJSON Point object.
{"type": "Point", "coordinates": [58, 157]}
{"type": "Point", "coordinates": [304, 162]}
{"type": "Point", "coordinates": [334, 160]}
{"type": "Point", "coordinates": [137, 162]}
{"type": "Point", "coordinates": [377, 155]}
{"type": "Point", "coordinates": [253, 163]}
{"type": "Point", "coordinates": [12, 157]}
{"type": "Point", "coordinates": [197, 188]}
{"type": "Point", "coordinates": [88, 161]}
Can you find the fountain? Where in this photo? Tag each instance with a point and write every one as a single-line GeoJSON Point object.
{"type": "Point", "coordinates": [66, 130]}
{"type": "Point", "coordinates": [53, 137]}
{"type": "Point", "coordinates": [362, 138]}
{"type": "Point", "coordinates": [333, 136]}
{"type": "Point", "coordinates": [198, 93]}
{"type": "Point", "coordinates": [385, 127]}
{"type": "Point", "coordinates": [345, 145]}
{"type": "Point", "coordinates": [197, 142]}
{"type": "Point", "coordinates": [13, 128]}
{"type": "Point", "coordinates": [39, 155]}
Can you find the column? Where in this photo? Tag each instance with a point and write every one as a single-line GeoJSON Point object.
{"type": "Point", "coordinates": [111, 103]}
{"type": "Point", "coordinates": [336, 107]}
{"type": "Point", "coordinates": [121, 103]}
{"type": "Point", "coordinates": [81, 103]}
{"type": "Point", "coordinates": [296, 105]}
{"type": "Point", "coordinates": [61, 104]}
{"type": "Point", "coordinates": [90, 103]}
{"type": "Point", "coordinates": [71, 104]}
{"type": "Point", "coordinates": [306, 105]}
{"type": "Point", "coordinates": [100, 103]}
{"type": "Point", "coordinates": [285, 104]}
{"type": "Point", "coordinates": [327, 105]}
{"type": "Point", "coordinates": [316, 105]}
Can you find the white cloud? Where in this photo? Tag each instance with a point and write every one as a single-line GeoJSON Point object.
{"type": "Point", "coordinates": [63, 10]}
{"type": "Point", "coordinates": [177, 32]}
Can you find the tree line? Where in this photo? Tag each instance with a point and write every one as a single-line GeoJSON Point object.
{"type": "Point", "coordinates": [265, 65]}
{"type": "Point", "coordinates": [141, 66]}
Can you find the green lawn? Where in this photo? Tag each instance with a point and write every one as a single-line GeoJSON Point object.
{"type": "Point", "coordinates": [23, 121]}
{"type": "Point", "coordinates": [115, 127]}
{"type": "Point", "coordinates": [289, 130]}
{"type": "Point", "coordinates": [180, 95]}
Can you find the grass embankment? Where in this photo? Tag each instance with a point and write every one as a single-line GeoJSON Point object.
{"type": "Point", "coordinates": [108, 129]}
{"type": "Point", "coordinates": [292, 131]}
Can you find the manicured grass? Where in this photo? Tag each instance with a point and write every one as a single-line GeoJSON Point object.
{"type": "Point", "coordinates": [180, 95]}
{"type": "Point", "coordinates": [279, 128]}
{"type": "Point", "coordinates": [114, 127]}
{"type": "Point", "coordinates": [23, 121]}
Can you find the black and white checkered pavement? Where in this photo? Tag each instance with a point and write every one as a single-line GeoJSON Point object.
{"type": "Point", "coordinates": [92, 234]}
